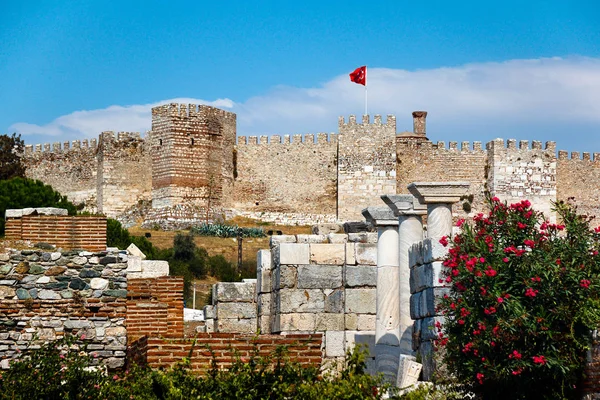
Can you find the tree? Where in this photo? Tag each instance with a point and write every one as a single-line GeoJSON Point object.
{"type": "Point", "coordinates": [21, 193]}
{"type": "Point", "coordinates": [11, 148]}
{"type": "Point", "coordinates": [524, 298]}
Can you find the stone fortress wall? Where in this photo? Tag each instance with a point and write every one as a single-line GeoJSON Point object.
{"type": "Point", "coordinates": [190, 161]}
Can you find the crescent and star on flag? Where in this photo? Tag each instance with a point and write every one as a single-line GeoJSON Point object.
{"type": "Point", "coordinates": [359, 76]}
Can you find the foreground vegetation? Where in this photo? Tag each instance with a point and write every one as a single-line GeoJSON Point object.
{"type": "Point", "coordinates": [60, 370]}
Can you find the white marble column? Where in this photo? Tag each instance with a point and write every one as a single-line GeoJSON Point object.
{"type": "Point", "coordinates": [439, 220]}
{"type": "Point", "coordinates": [387, 337]}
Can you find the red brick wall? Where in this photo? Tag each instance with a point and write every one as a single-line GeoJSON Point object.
{"type": "Point", "coordinates": [155, 307]}
{"type": "Point", "coordinates": [303, 348]}
{"type": "Point", "coordinates": [591, 383]}
{"type": "Point", "coordinates": [68, 232]}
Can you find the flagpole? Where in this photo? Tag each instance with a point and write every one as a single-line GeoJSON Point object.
{"type": "Point", "coordinates": [366, 97]}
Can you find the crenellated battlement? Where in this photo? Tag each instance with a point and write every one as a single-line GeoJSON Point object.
{"type": "Point", "coordinates": [58, 147]}
{"type": "Point", "coordinates": [308, 138]}
{"type": "Point", "coordinates": [109, 136]}
{"type": "Point", "coordinates": [190, 111]}
{"type": "Point", "coordinates": [577, 156]}
{"type": "Point", "coordinates": [366, 120]}
{"type": "Point", "coordinates": [511, 144]}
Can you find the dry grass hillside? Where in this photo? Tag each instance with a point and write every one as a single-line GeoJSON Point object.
{"type": "Point", "coordinates": [227, 247]}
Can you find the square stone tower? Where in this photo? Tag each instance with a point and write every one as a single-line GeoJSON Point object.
{"type": "Point", "coordinates": [192, 156]}
{"type": "Point", "coordinates": [366, 164]}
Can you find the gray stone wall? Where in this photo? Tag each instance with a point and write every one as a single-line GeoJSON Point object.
{"type": "Point", "coordinates": [233, 308]}
{"type": "Point", "coordinates": [425, 260]}
{"type": "Point", "coordinates": [45, 295]}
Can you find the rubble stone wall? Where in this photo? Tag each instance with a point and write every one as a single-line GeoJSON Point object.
{"type": "Point", "coordinates": [45, 295]}
{"type": "Point", "coordinates": [420, 160]}
{"type": "Point", "coordinates": [287, 178]}
{"type": "Point", "coordinates": [579, 177]}
{"type": "Point", "coordinates": [521, 173]}
{"type": "Point", "coordinates": [124, 172]}
{"type": "Point", "coordinates": [70, 168]}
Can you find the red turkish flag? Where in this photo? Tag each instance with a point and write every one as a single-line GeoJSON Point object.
{"type": "Point", "coordinates": [359, 75]}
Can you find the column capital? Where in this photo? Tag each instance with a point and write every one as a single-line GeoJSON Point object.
{"type": "Point", "coordinates": [380, 216]}
{"type": "Point", "coordinates": [438, 192]}
{"type": "Point", "coordinates": [404, 204]}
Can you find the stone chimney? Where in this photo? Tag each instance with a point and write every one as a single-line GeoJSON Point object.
{"type": "Point", "coordinates": [419, 122]}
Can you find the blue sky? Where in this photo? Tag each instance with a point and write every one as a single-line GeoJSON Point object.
{"type": "Point", "coordinates": [512, 69]}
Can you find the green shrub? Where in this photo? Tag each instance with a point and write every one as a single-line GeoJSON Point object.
{"type": "Point", "coordinates": [524, 298]}
{"type": "Point", "coordinates": [226, 231]}
{"type": "Point", "coordinates": [58, 371]}
{"type": "Point", "coordinates": [117, 236]}
{"type": "Point", "coordinates": [21, 193]}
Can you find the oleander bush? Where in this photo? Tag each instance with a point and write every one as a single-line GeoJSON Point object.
{"type": "Point", "coordinates": [524, 298]}
{"type": "Point", "coordinates": [59, 370]}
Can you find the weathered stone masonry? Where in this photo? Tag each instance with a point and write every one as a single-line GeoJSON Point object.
{"type": "Point", "coordinates": [195, 164]}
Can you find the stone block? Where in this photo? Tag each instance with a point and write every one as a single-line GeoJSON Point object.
{"type": "Point", "coordinates": [429, 300]}
{"type": "Point", "coordinates": [287, 276]}
{"type": "Point", "coordinates": [426, 352]}
{"type": "Point", "coordinates": [363, 237]}
{"type": "Point", "coordinates": [310, 322]}
{"type": "Point", "coordinates": [350, 253]}
{"type": "Point", "coordinates": [264, 324]}
{"type": "Point", "coordinates": [334, 300]}
{"type": "Point", "coordinates": [365, 339]}
{"type": "Point", "coordinates": [326, 229]}
{"type": "Point", "coordinates": [335, 344]}
{"type": "Point", "coordinates": [236, 325]}
{"type": "Point", "coordinates": [415, 305]}
{"type": "Point", "coordinates": [351, 322]}
{"type": "Point", "coordinates": [366, 253]}
{"type": "Point", "coordinates": [361, 275]}
{"type": "Point", "coordinates": [7, 292]}
{"type": "Point", "coordinates": [408, 371]}
{"type": "Point", "coordinates": [294, 253]}
{"type": "Point", "coordinates": [337, 238]}
{"type": "Point", "coordinates": [277, 239]}
{"type": "Point", "coordinates": [211, 326]}
{"type": "Point", "coordinates": [209, 312]}
{"type": "Point", "coordinates": [234, 291]}
{"type": "Point", "coordinates": [98, 283]}
{"type": "Point", "coordinates": [236, 310]}
{"type": "Point", "coordinates": [361, 301]}
{"type": "Point", "coordinates": [428, 329]}
{"type": "Point", "coordinates": [319, 276]}
{"type": "Point", "coordinates": [135, 251]}
{"type": "Point", "coordinates": [263, 304]}
{"type": "Point", "coordinates": [154, 268]}
{"type": "Point", "coordinates": [366, 322]}
{"type": "Point", "coordinates": [311, 238]}
{"type": "Point", "coordinates": [333, 254]}
{"type": "Point", "coordinates": [301, 300]}
{"type": "Point", "coordinates": [433, 250]}
{"type": "Point", "coordinates": [425, 276]}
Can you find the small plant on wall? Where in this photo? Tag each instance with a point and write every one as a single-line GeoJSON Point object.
{"type": "Point", "coordinates": [524, 299]}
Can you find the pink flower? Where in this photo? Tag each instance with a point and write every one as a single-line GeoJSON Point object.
{"type": "Point", "coordinates": [116, 377]}
{"type": "Point", "coordinates": [490, 272]}
{"type": "Point", "coordinates": [531, 292]}
{"type": "Point", "coordinates": [500, 300]}
{"type": "Point", "coordinates": [585, 283]}
{"type": "Point", "coordinates": [515, 354]}
{"type": "Point", "coordinates": [505, 259]}
{"type": "Point", "coordinates": [539, 360]}
{"type": "Point", "coordinates": [536, 279]}
{"type": "Point", "coordinates": [521, 225]}
{"type": "Point", "coordinates": [529, 243]}
{"type": "Point", "coordinates": [460, 222]}
{"type": "Point", "coordinates": [480, 377]}
{"type": "Point", "coordinates": [517, 371]}
{"type": "Point", "coordinates": [444, 241]}
{"type": "Point", "coordinates": [495, 199]}
{"type": "Point", "coordinates": [461, 321]}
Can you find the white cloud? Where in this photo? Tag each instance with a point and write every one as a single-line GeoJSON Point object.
{"type": "Point", "coordinates": [530, 99]}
